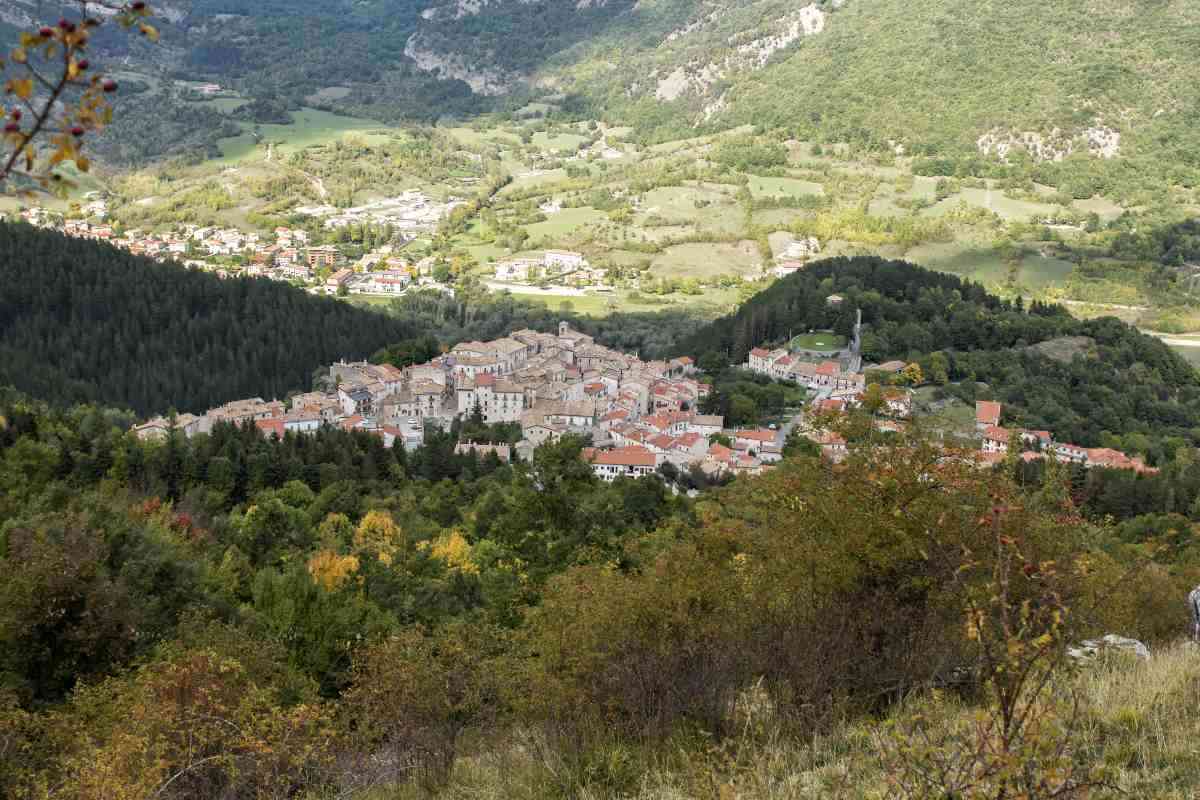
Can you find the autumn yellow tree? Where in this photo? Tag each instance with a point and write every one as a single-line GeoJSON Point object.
{"type": "Point", "coordinates": [455, 551]}
{"type": "Point", "coordinates": [379, 535]}
{"type": "Point", "coordinates": [330, 570]}
{"type": "Point", "coordinates": [55, 96]}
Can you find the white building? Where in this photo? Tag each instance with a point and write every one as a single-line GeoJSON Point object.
{"type": "Point", "coordinates": [563, 260]}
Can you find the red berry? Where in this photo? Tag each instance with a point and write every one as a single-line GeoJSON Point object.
{"type": "Point", "coordinates": [82, 65]}
{"type": "Point", "coordinates": [12, 127]}
{"type": "Point", "coordinates": [16, 113]}
{"type": "Point", "coordinates": [46, 33]}
{"type": "Point", "coordinates": [77, 130]}
{"type": "Point", "coordinates": [110, 85]}
{"type": "Point", "coordinates": [66, 25]}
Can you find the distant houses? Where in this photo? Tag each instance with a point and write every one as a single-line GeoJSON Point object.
{"type": "Point", "coordinates": [640, 415]}
{"type": "Point", "coordinates": [997, 440]}
{"type": "Point", "coordinates": [555, 266]}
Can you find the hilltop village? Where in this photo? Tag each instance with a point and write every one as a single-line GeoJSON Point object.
{"type": "Point", "coordinates": [639, 414]}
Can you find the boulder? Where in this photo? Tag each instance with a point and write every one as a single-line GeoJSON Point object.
{"type": "Point", "coordinates": [1090, 648]}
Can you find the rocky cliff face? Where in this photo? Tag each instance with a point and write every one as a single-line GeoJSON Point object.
{"type": "Point", "coordinates": [483, 80]}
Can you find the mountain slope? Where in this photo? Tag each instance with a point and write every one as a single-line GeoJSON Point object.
{"type": "Point", "coordinates": [1103, 91]}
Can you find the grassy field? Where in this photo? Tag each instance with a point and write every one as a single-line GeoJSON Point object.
{"type": "Point", "coordinates": [559, 143]}
{"type": "Point", "coordinates": [983, 264]}
{"type": "Point", "coordinates": [707, 260]}
{"type": "Point", "coordinates": [993, 200]}
{"type": "Point", "coordinates": [783, 187]}
{"type": "Point", "coordinates": [821, 340]}
{"type": "Point", "coordinates": [310, 126]}
{"type": "Point", "coordinates": [1189, 354]}
{"type": "Point", "coordinates": [565, 222]}
{"type": "Point", "coordinates": [709, 208]}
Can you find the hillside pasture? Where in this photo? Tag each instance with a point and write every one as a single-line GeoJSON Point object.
{"type": "Point", "coordinates": [983, 264]}
{"type": "Point", "coordinates": [559, 142]}
{"type": "Point", "coordinates": [784, 187]}
{"type": "Point", "coordinates": [995, 201]}
{"type": "Point", "coordinates": [565, 222]}
{"type": "Point", "coordinates": [707, 260]}
{"type": "Point", "coordinates": [310, 126]}
{"type": "Point", "coordinates": [704, 207]}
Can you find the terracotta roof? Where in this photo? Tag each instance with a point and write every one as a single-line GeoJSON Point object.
{"type": "Point", "coordinates": [632, 456]}
{"type": "Point", "coordinates": [757, 436]}
{"type": "Point", "coordinates": [719, 452]}
{"type": "Point", "coordinates": [660, 421]}
{"type": "Point", "coordinates": [987, 412]}
{"type": "Point", "coordinates": [270, 426]}
{"type": "Point", "coordinates": [758, 352]}
{"type": "Point", "coordinates": [996, 433]}
{"type": "Point", "coordinates": [828, 368]}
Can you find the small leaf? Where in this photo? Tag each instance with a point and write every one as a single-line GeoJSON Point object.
{"type": "Point", "coordinates": [21, 87]}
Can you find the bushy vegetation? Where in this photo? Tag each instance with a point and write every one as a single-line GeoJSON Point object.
{"type": "Point", "coordinates": [234, 614]}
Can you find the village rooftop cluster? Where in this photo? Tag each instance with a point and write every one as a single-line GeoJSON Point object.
{"type": "Point", "coordinates": [839, 381]}
{"type": "Point", "coordinates": [285, 254]}
{"type": "Point", "coordinates": [639, 414]}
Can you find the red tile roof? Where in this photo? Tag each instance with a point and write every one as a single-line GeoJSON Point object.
{"type": "Point", "coordinates": [270, 426]}
{"type": "Point", "coordinates": [757, 436]}
{"type": "Point", "coordinates": [719, 452]}
{"type": "Point", "coordinates": [632, 456]}
{"type": "Point", "coordinates": [996, 433]}
{"type": "Point", "coordinates": [987, 412]}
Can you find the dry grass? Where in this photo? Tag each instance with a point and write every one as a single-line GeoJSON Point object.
{"type": "Point", "coordinates": [1141, 721]}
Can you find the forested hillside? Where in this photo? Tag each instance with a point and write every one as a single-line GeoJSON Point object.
{"type": "Point", "coordinates": [1112, 380]}
{"type": "Point", "coordinates": [86, 322]}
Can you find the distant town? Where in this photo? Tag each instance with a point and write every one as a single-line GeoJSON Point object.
{"type": "Point", "coordinates": [288, 254]}
{"type": "Point", "coordinates": [638, 415]}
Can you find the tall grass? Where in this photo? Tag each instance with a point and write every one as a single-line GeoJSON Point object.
{"type": "Point", "coordinates": [1141, 720]}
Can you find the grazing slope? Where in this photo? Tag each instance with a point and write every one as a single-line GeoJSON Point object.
{"type": "Point", "coordinates": [83, 322]}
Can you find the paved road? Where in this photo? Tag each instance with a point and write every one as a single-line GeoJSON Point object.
{"type": "Point", "coordinates": [785, 430]}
